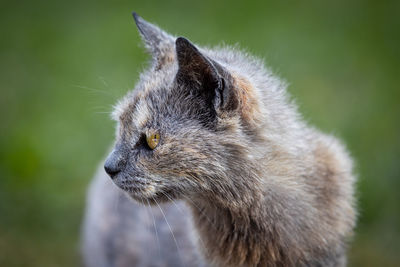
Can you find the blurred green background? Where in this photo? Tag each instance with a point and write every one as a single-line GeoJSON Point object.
{"type": "Point", "coordinates": [63, 64]}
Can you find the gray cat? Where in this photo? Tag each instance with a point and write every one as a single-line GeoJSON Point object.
{"type": "Point", "coordinates": [213, 166]}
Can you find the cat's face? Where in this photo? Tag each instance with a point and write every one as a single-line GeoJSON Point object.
{"type": "Point", "coordinates": [162, 147]}
{"type": "Point", "coordinates": [178, 131]}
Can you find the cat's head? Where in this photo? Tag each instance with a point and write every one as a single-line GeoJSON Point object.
{"type": "Point", "coordinates": [186, 129]}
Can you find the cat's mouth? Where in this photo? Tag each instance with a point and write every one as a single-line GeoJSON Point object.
{"type": "Point", "coordinates": [139, 191]}
{"type": "Point", "coordinates": [144, 190]}
{"type": "Point", "coordinates": [149, 193]}
{"type": "Point", "coordinates": [136, 187]}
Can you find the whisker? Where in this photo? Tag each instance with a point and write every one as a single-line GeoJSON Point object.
{"type": "Point", "coordinates": [101, 78]}
{"type": "Point", "coordinates": [96, 110]}
{"type": "Point", "coordinates": [102, 112]}
{"type": "Point", "coordinates": [147, 212]}
{"type": "Point", "coordinates": [165, 194]}
{"type": "Point", "coordinates": [155, 227]}
{"type": "Point", "coordinates": [202, 212]}
{"type": "Point", "coordinates": [181, 211]}
{"type": "Point", "coordinates": [94, 90]}
{"type": "Point", "coordinates": [170, 229]}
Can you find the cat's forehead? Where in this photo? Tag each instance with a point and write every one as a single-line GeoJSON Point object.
{"type": "Point", "coordinates": [136, 107]}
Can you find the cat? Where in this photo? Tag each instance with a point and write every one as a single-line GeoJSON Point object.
{"type": "Point", "coordinates": [214, 166]}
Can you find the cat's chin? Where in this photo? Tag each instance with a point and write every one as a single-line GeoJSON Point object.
{"type": "Point", "coordinates": [150, 195]}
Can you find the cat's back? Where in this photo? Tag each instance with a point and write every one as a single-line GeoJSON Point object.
{"type": "Point", "coordinates": [118, 231]}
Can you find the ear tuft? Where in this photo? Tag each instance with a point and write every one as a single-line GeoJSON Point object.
{"type": "Point", "coordinates": [159, 43]}
{"type": "Point", "coordinates": [146, 29]}
{"type": "Point", "coordinates": [136, 17]}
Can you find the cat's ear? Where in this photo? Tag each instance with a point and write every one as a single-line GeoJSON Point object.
{"type": "Point", "coordinates": [201, 74]}
{"type": "Point", "coordinates": [159, 43]}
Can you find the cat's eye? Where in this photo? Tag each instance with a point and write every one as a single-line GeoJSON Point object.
{"type": "Point", "coordinates": [153, 140]}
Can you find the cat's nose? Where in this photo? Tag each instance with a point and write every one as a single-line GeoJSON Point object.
{"type": "Point", "coordinates": [115, 162]}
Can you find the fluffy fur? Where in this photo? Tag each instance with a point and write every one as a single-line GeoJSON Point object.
{"type": "Point", "coordinates": [254, 184]}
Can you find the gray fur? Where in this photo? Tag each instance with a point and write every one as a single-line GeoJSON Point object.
{"type": "Point", "coordinates": [252, 183]}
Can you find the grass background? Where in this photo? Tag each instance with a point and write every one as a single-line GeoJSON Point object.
{"type": "Point", "coordinates": [63, 64]}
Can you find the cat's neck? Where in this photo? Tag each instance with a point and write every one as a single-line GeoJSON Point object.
{"type": "Point", "coordinates": [265, 223]}
{"type": "Point", "coordinates": [237, 237]}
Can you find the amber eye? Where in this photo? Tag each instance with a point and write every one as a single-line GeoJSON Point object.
{"type": "Point", "coordinates": [153, 140]}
